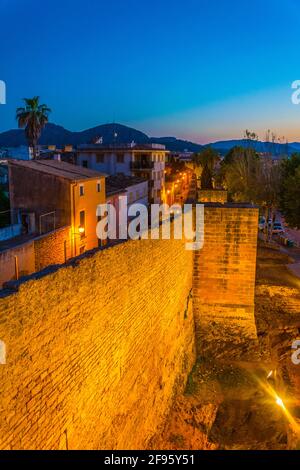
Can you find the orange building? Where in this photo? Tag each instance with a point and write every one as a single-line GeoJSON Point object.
{"type": "Point", "coordinates": [51, 194]}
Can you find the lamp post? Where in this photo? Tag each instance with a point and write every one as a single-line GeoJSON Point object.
{"type": "Point", "coordinates": [80, 233]}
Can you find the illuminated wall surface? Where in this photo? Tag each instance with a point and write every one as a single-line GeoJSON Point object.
{"type": "Point", "coordinates": [34, 255]}
{"type": "Point", "coordinates": [224, 278]}
{"type": "Point", "coordinates": [212, 195]}
{"type": "Point", "coordinates": [97, 349]}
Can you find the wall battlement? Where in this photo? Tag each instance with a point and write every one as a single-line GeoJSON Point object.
{"type": "Point", "coordinates": [224, 278]}
{"type": "Point", "coordinates": [212, 195]}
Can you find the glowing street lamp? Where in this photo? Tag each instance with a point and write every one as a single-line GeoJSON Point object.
{"type": "Point", "coordinates": [81, 229]}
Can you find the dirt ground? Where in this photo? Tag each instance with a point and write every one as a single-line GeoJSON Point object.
{"type": "Point", "coordinates": [232, 404]}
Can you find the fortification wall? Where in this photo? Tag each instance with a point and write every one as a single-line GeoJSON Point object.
{"type": "Point", "coordinates": [53, 248]}
{"type": "Point", "coordinates": [34, 255]}
{"type": "Point", "coordinates": [97, 349]}
{"type": "Point", "coordinates": [224, 279]}
{"type": "Point", "coordinates": [25, 259]}
{"type": "Point", "coordinates": [212, 195]}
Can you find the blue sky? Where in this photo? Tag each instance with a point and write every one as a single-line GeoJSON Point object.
{"type": "Point", "coordinates": [198, 69]}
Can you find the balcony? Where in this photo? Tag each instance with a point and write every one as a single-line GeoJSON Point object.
{"type": "Point", "coordinates": [142, 165]}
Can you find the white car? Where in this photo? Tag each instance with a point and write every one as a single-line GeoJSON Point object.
{"type": "Point", "coordinates": [262, 223]}
{"type": "Point", "coordinates": [277, 228]}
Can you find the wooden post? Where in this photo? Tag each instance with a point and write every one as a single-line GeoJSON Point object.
{"type": "Point", "coordinates": [16, 267]}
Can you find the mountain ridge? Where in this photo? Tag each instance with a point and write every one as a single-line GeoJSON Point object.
{"type": "Point", "coordinates": [54, 134]}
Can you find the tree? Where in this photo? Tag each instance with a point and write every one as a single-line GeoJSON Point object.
{"type": "Point", "coordinates": [233, 153]}
{"type": "Point", "coordinates": [33, 117]}
{"type": "Point", "coordinates": [240, 170]}
{"type": "Point", "coordinates": [207, 159]}
{"type": "Point", "coordinates": [255, 179]}
{"type": "Point", "coordinates": [269, 180]}
{"type": "Point", "coordinates": [251, 138]}
{"type": "Point", "coordinates": [4, 209]}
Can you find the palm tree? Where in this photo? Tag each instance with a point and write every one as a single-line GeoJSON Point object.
{"type": "Point", "coordinates": [33, 117]}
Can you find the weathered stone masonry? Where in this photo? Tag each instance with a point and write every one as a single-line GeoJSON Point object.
{"type": "Point", "coordinates": [36, 254]}
{"type": "Point", "coordinates": [212, 195]}
{"type": "Point", "coordinates": [224, 278]}
{"type": "Point", "coordinates": [96, 350]}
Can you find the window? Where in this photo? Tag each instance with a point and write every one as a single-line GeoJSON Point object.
{"type": "Point", "coordinates": [100, 158]}
{"type": "Point", "coordinates": [130, 199]}
{"type": "Point", "coordinates": [82, 249]}
{"type": "Point", "coordinates": [98, 186]}
{"type": "Point", "coordinates": [120, 158]}
{"type": "Point", "coordinates": [81, 190]}
{"type": "Point", "coordinates": [84, 163]}
{"type": "Point", "coordinates": [82, 222]}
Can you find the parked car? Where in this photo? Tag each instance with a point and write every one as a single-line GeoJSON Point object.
{"type": "Point", "coordinates": [262, 223]}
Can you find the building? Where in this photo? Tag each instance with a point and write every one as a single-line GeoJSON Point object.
{"type": "Point", "coordinates": [185, 156]}
{"type": "Point", "coordinates": [51, 194]}
{"type": "Point", "coordinates": [22, 152]}
{"type": "Point", "coordinates": [272, 159]}
{"type": "Point", "coordinates": [133, 187]}
{"type": "Point", "coordinates": [178, 185]}
{"type": "Point", "coordinates": [146, 161]}
{"type": "Point", "coordinates": [4, 175]}
{"type": "Point", "coordinates": [66, 153]}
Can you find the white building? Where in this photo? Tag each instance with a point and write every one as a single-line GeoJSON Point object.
{"type": "Point", "coordinates": [146, 161]}
{"type": "Point", "coordinates": [23, 152]}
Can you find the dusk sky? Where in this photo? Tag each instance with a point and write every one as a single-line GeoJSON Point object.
{"type": "Point", "coordinates": [202, 70]}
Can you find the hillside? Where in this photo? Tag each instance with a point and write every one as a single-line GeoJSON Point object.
{"type": "Point", "coordinates": [111, 133]}
{"type": "Point", "coordinates": [54, 134]}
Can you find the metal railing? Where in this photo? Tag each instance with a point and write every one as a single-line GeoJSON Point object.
{"type": "Point", "coordinates": [142, 165]}
{"type": "Point", "coordinates": [47, 222]}
{"type": "Point", "coordinates": [9, 217]}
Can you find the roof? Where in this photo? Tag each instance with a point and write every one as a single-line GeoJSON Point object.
{"type": "Point", "coordinates": [115, 148]}
{"type": "Point", "coordinates": [119, 183]}
{"type": "Point", "coordinates": [58, 168]}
